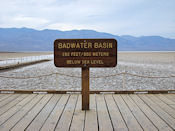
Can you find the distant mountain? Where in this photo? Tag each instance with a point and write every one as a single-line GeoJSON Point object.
{"type": "Point", "coordinates": [26, 39]}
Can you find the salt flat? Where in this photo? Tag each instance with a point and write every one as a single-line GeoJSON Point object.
{"type": "Point", "coordinates": [10, 55]}
{"type": "Point", "coordinates": [142, 63]}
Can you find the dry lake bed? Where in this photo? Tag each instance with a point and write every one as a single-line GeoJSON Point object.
{"type": "Point", "coordinates": [156, 64]}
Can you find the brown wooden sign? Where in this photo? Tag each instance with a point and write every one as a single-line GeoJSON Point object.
{"type": "Point", "coordinates": [85, 52]}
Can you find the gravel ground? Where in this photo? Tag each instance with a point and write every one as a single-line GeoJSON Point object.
{"type": "Point", "coordinates": [148, 64]}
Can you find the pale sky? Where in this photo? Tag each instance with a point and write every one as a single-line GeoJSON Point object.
{"type": "Point", "coordinates": [118, 17]}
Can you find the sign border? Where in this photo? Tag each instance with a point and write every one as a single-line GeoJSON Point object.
{"type": "Point", "coordinates": [88, 66]}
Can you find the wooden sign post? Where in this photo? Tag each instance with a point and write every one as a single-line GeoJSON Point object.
{"type": "Point", "coordinates": [85, 88]}
{"type": "Point", "coordinates": [85, 53]}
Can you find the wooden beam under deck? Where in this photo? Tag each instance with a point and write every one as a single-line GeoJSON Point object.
{"type": "Point", "coordinates": [91, 92]}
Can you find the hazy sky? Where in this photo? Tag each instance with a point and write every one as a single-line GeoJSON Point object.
{"type": "Point", "coordinates": [119, 17]}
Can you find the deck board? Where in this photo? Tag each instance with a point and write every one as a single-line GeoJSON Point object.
{"type": "Point", "coordinates": [129, 118]}
{"type": "Point", "coordinates": [123, 112]}
{"type": "Point", "coordinates": [139, 115]}
{"type": "Point", "coordinates": [78, 117]}
{"type": "Point", "coordinates": [91, 123]}
{"type": "Point", "coordinates": [14, 110]}
{"type": "Point", "coordinates": [167, 108]}
{"type": "Point", "coordinates": [4, 96]}
{"type": "Point", "coordinates": [12, 103]}
{"type": "Point", "coordinates": [42, 116]}
{"type": "Point", "coordinates": [66, 118]}
{"type": "Point", "coordinates": [102, 114]}
{"type": "Point", "coordinates": [156, 120]}
{"type": "Point", "coordinates": [55, 115]}
{"type": "Point", "coordinates": [116, 117]}
{"type": "Point", "coordinates": [11, 122]}
{"type": "Point", "coordinates": [171, 97]}
{"type": "Point", "coordinates": [162, 114]}
{"type": "Point", "coordinates": [8, 100]}
{"type": "Point", "coordinates": [27, 119]}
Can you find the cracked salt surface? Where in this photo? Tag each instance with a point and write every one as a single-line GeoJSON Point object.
{"type": "Point", "coordinates": [109, 83]}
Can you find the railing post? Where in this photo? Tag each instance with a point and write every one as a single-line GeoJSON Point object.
{"type": "Point", "coordinates": [124, 80]}
{"type": "Point", "coordinates": [124, 86]}
{"type": "Point", "coordinates": [56, 81]}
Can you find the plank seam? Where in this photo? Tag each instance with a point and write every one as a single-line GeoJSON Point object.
{"type": "Point", "coordinates": [5, 97]}
{"type": "Point", "coordinates": [73, 112]}
{"type": "Point", "coordinates": [27, 112]}
{"type": "Point", "coordinates": [120, 112]}
{"type": "Point", "coordinates": [17, 111]}
{"type": "Point", "coordinates": [14, 105]}
{"type": "Point", "coordinates": [158, 114]}
{"type": "Point", "coordinates": [84, 120]}
{"type": "Point", "coordinates": [10, 100]}
{"type": "Point", "coordinates": [50, 112]}
{"type": "Point", "coordinates": [97, 113]}
{"type": "Point", "coordinates": [108, 112]}
{"type": "Point", "coordinates": [132, 113]}
{"type": "Point", "coordinates": [62, 113]}
{"type": "Point", "coordinates": [143, 111]}
{"type": "Point", "coordinates": [39, 112]}
{"type": "Point", "coordinates": [169, 99]}
{"type": "Point", "coordinates": [161, 107]}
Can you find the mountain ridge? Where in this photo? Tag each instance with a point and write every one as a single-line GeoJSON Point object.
{"type": "Point", "coordinates": [27, 39]}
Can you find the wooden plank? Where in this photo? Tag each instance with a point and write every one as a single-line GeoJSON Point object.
{"type": "Point", "coordinates": [116, 117]}
{"type": "Point", "coordinates": [166, 100]}
{"type": "Point", "coordinates": [4, 117]}
{"type": "Point", "coordinates": [5, 96]}
{"type": "Point", "coordinates": [162, 114]}
{"type": "Point", "coordinates": [170, 96]}
{"type": "Point", "coordinates": [153, 110]}
{"type": "Point", "coordinates": [42, 116]}
{"type": "Point", "coordinates": [85, 88]}
{"type": "Point", "coordinates": [78, 117]}
{"type": "Point", "coordinates": [55, 115]}
{"type": "Point", "coordinates": [91, 116]}
{"type": "Point", "coordinates": [163, 105]}
{"type": "Point", "coordinates": [8, 100]}
{"type": "Point", "coordinates": [102, 113]}
{"type": "Point", "coordinates": [130, 120]}
{"type": "Point", "coordinates": [139, 115]}
{"type": "Point", "coordinates": [1, 95]}
{"type": "Point", "coordinates": [12, 103]}
{"type": "Point", "coordinates": [27, 119]}
{"type": "Point", "coordinates": [66, 118]}
{"type": "Point", "coordinates": [158, 92]}
{"type": "Point", "coordinates": [156, 120]}
{"type": "Point", "coordinates": [124, 92]}
{"type": "Point", "coordinates": [20, 114]}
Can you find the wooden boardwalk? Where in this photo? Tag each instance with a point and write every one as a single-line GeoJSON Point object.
{"type": "Point", "coordinates": [119, 112]}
